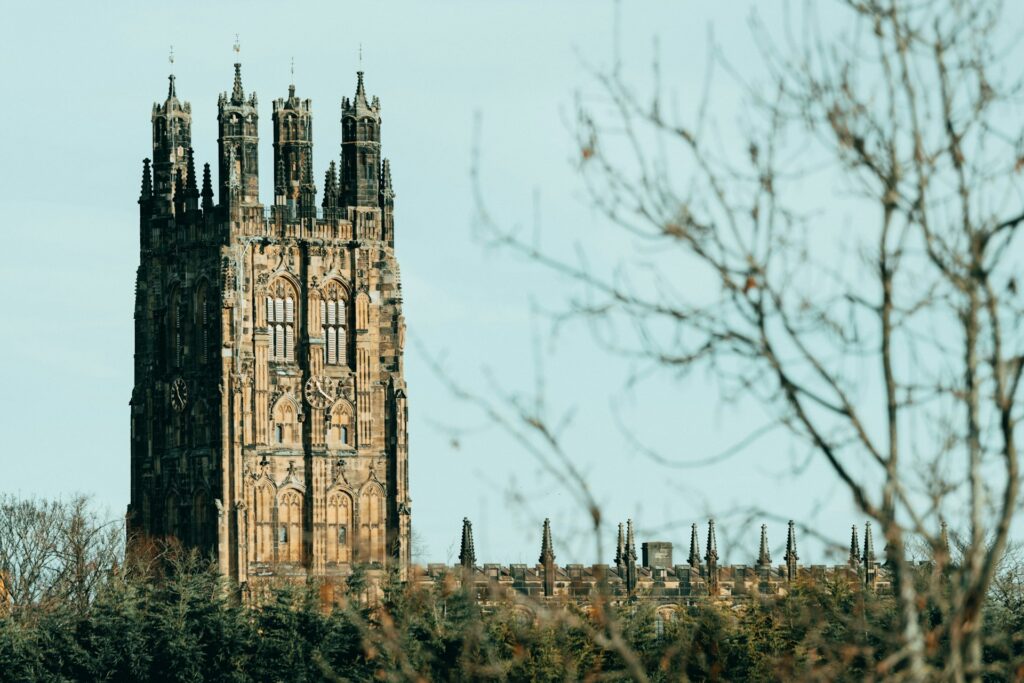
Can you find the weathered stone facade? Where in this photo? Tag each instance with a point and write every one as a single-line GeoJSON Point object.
{"type": "Point", "coordinates": [268, 417]}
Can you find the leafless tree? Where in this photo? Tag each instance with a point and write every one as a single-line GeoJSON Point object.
{"type": "Point", "coordinates": [890, 343]}
{"type": "Point", "coordinates": [54, 551]}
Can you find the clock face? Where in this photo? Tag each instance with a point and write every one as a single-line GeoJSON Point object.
{"type": "Point", "coordinates": [179, 394]}
{"type": "Point", "coordinates": [319, 392]}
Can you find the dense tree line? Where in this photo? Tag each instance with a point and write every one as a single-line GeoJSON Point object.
{"type": "Point", "coordinates": [177, 620]}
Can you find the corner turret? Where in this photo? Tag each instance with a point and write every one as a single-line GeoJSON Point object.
{"type": "Point", "coordinates": [172, 136]}
{"type": "Point", "coordinates": [360, 149]}
{"type": "Point", "coordinates": [238, 146]}
{"type": "Point", "coordinates": [293, 154]}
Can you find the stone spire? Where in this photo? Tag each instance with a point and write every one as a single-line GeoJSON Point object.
{"type": "Point", "coordinates": [237, 94]}
{"type": "Point", "coordinates": [620, 550]}
{"type": "Point", "coordinates": [547, 552]}
{"type": "Point", "coordinates": [207, 193]}
{"type": "Point", "coordinates": [387, 203]}
{"type": "Point", "coordinates": [191, 190]}
{"type": "Point", "coordinates": [547, 559]}
{"type": "Point", "coordinates": [360, 91]}
{"type": "Point", "coordinates": [711, 555]}
{"type": "Point", "coordinates": [330, 200]}
{"type": "Point", "coordinates": [179, 193]}
{"type": "Point", "coordinates": [630, 558]}
{"type": "Point", "coordinates": [467, 552]}
{"type": "Point", "coordinates": [791, 556]}
{"type": "Point", "coordinates": [764, 557]}
{"type": "Point", "coordinates": [869, 547]}
{"type": "Point", "coordinates": [854, 547]}
{"type": "Point", "coordinates": [942, 554]}
{"type": "Point", "coordinates": [694, 559]}
{"type": "Point", "coordinates": [147, 181]}
{"type": "Point", "coordinates": [711, 558]}
{"type": "Point", "coordinates": [172, 93]}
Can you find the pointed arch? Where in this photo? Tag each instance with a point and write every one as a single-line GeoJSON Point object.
{"type": "Point", "coordinates": [284, 422]}
{"type": "Point", "coordinates": [289, 525]}
{"type": "Point", "coordinates": [171, 514]}
{"type": "Point", "coordinates": [339, 425]}
{"type": "Point", "coordinates": [371, 523]}
{"type": "Point", "coordinates": [362, 311]}
{"type": "Point", "coordinates": [263, 504]}
{"type": "Point", "coordinates": [339, 527]}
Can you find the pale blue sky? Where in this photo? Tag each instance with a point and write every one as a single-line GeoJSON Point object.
{"type": "Point", "coordinates": [79, 81]}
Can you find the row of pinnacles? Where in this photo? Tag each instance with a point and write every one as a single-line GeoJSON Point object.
{"type": "Point", "coordinates": [656, 578]}
{"type": "Point", "coordinates": [351, 192]}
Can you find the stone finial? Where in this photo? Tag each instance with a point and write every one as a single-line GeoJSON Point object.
{"type": "Point", "coordinates": [547, 552]}
{"type": "Point", "coordinates": [764, 556]}
{"type": "Point", "coordinates": [237, 94]}
{"type": "Point", "coordinates": [694, 559]}
{"type": "Point", "coordinates": [207, 193]}
{"type": "Point", "coordinates": [172, 93]}
{"type": "Point", "coordinates": [854, 547]}
{"type": "Point", "coordinates": [869, 547]}
{"type": "Point", "coordinates": [791, 556]}
{"type": "Point", "coordinates": [147, 181]}
{"type": "Point", "coordinates": [467, 551]}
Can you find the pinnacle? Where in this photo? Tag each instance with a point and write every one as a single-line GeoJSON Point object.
{"type": "Point", "coordinates": [467, 553]}
{"type": "Point", "coordinates": [237, 94]}
{"type": "Point", "coordinates": [764, 558]}
{"type": "Point", "coordinates": [712, 549]}
{"type": "Point", "coordinates": [547, 553]}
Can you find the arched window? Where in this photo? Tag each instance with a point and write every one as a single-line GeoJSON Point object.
{"type": "Point", "coordinates": [289, 527]}
{"type": "Point", "coordinates": [281, 324]}
{"type": "Point", "coordinates": [332, 317]}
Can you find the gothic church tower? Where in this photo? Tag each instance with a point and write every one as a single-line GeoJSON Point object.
{"type": "Point", "coordinates": [268, 417]}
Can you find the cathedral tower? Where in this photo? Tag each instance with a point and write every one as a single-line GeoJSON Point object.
{"type": "Point", "coordinates": [269, 409]}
